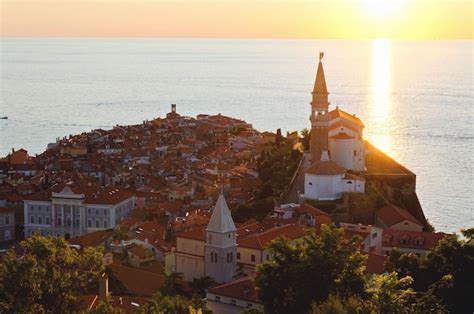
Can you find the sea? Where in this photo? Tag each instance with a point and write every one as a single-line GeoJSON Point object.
{"type": "Point", "coordinates": [414, 97]}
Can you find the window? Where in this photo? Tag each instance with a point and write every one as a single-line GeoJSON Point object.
{"type": "Point", "coordinates": [106, 224]}
{"type": "Point", "coordinates": [228, 235]}
{"type": "Point", "coordinates": [97, 224]}
{"type": "Point", "coordinates": [238, 255]}
{"type": "Point", "coordinates": [252, 258]}
{"type": "Point", "coordinates": [77, 222]}
{"type": "Point", "coordinates": [7, 235]}
{"type": "Point", "coordinates": [47, 220]}
{"type": "Point", "coordinates": [218, 298]}
{"type": "Point", "coordinates": [40, 220]}
{"type": "Point", "coordinates": [89, 223]}
{"type": "Point", "coordinates": [96, 211]}
{"type": "Point", "coordinates": [89, 211]}
{"type": "Point", "coordinates": [374, 235]}
{"type": "Point", "coordinates": [233, 302]}
{"type": "Point", "coordinates": [249, 304]}
{"type": "Point", "coordinates": [7, 220]}
{"type": "Point", "coordinates": [349, 182]}
{"type": "Point", "coordinates": [32, 219]}
{"type": "Point", "coordinates": [59, 221]}
{"type": "Point", "coordinates": [355, 153]}
{"type": "Point", "coordinates": [311, 183]}
{"type": "Point", "coordinates": [105, 211]}
{"type": "Point", "coordinates": [231, 257]}
{"type": "Point", "coordinates": [268, 257]}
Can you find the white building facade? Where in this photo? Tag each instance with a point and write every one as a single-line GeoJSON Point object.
{"type": "Point", "coordinates": [71, 212]}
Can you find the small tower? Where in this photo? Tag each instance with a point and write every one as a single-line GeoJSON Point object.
{"type": "Point", "coordinates": [221, 245]}
{"type": "Point", "coordinates": [319, 114]}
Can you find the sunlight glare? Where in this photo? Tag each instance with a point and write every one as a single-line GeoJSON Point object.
{"type": "Point", "coordinates": [381, 107]}
{"type": "Point", "coordinates": [383, 9]}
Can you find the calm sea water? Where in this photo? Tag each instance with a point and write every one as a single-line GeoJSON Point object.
{"type": "Point", "coordinates": [416, 98]}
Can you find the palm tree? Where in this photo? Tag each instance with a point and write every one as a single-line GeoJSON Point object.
{"type": "Point", "coordinates": [172, 285]}
{"type": "Point", "coordinates": [200, 285]}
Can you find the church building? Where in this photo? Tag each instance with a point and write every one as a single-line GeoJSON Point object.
{"type": "Point", "coordinates": [336, 146]}
{"type": "Point", "coordinates": [207, 252]}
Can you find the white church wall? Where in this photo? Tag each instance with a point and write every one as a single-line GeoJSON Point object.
{"type": "Point", "coordinates": [322, 187]}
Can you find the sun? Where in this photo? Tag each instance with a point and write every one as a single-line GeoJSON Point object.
{"type": "Point", "coordinates": [383, 9]}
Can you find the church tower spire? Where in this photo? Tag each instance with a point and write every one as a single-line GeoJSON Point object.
{"type": "Point", "coordinates": [319, 114]}
{"type": "Point", "coordinates": [221, 243]}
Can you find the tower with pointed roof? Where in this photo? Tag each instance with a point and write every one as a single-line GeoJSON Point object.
{"type": "Point", "coordinates": [319, 114]}
{"type": "Point", "coordinates": [221, 245]}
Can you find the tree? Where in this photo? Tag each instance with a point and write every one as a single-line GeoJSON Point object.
{"type": "Point", "coordinates": [392, 295]}
{"type": "Point", "coordinates": [278, 137]}
{"type": "Point", "coordinates": [386, 294]}
{"type": "Point", "coordinates": [172, 286]}
{"type": "Point", "coordinates": [45, 275]}
{"type": "Point", "coordinates": [200, 285]}
{"type": "Point", "coordinates": [335, 304]}
{"type": "Point", "coordinates": [239, 271]}
{"type": "Point", "coordinates": [167, 304]}
{"type": "Point", "coordinates": [309, 270]}
{"type": "Point", "coordinates": [446, 274]}
{"type": "Point", "coordinates": [305, 138]}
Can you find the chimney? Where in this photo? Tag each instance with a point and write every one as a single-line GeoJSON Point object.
{"type": "Point", "coordinates": [173, 108]}
{"type": "Point", "coordinates": [103, 287]}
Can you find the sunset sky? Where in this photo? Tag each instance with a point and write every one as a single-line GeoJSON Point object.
{"type": "Point", "coordinates": [410, 19]}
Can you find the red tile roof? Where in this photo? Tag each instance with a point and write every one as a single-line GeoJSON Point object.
{"type": "Point", "coordinates": [325, 167]}
{"type": "Point", "coordinates": [136, 281]}
{"type": "Point", "coordinates": [259, 241]}
{"type": "Point", "coordinates": [391, 215]}
{"type": "Point", "coordinates": [410, 239]}
{"type": "Point", "coordinates": [195, 234]}
{"type": "Point", "coordinates": [338, 113]}
{"type": "Point", "coordinates": [308, 209]}
{"type": "Point", "coordinates": [375, 263]}
{"type": "Point", "coordinates": [242, 289]}
{"type": "Point", "coordinates": [342, 136]}
{"type": "Point", "coordinates": [93, 239]}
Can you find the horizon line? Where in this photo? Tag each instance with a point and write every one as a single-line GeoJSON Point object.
{"type": "Point", "coordinates": [236, 38]}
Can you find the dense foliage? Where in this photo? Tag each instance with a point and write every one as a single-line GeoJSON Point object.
{"type": "Point", "coordinates": [325, 274]}
{"type": "Point", "coordinates": [275, 168]}
{"type": "Point", "coordinates": [446, 273]}
{"type": "Point", "coordinates": [45, 275]}
{"type": "Point", "coordinates": [309, 271]}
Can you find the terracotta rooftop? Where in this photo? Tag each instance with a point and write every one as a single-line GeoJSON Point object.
{"type": "Point", "coordinates": [195, 234]}
{"type": "Point", "coordinates": [391, 215]}
{"type": "Point", "coordinates": [342, 136]}
{"type": "Point", "coordinates": [136, 281]}
{"type": "Point", "coordinates": [308, 209]}
{"type": "Point", "coordinates": [410, 239]}
{"type": "Point", "coordinates": [325, 167]}
{"type": "Point", "coordinates": [375, 263]}
{"type": "Point", "coordinates": [338, 113]}
{"type": "Point", "coordinates": [261, 240]}
{"type": "Point", "coordinates": [93, 239]}
{"type": "Point", "coordinates": [241, 289]}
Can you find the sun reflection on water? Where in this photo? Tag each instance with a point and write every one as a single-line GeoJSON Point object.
{"type": "Point", "coordinates": [380, 105]}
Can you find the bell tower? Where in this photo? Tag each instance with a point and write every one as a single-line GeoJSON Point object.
{"type": "Point", "coordinates": [319, 114]}
{"type": "Point", "coordinates": [221, 243]}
